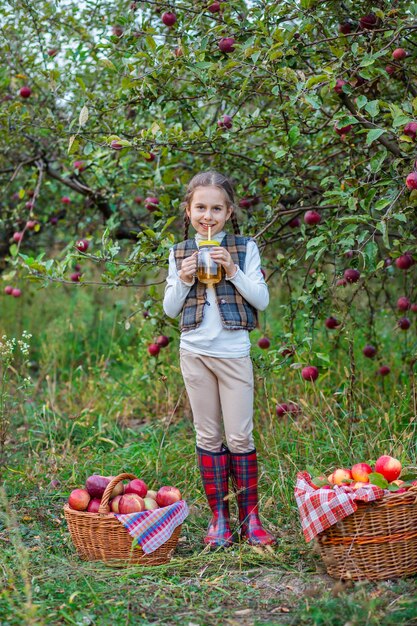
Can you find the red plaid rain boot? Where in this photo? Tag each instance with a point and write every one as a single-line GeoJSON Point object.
{"type": "Point", "coordinates": [244, 472]}
{"type": "Point", "coordinates": [214, 468]}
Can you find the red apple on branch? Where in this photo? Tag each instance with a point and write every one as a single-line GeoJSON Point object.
{"type": "Point", "coordinates": [226, 44]}
{"type": "Point", "coordinates": [310, 373]}
{"type": "Point", "coordinates": [25, 92]}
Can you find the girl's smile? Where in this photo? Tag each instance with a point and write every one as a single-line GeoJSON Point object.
{"type": "Point", "coordinates": [208, 208]}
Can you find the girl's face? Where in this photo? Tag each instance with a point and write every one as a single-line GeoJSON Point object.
{"type": "Point", "coordinates": [208, 208]}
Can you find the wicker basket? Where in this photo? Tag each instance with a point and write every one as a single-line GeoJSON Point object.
{"type": "Point", "coordinates": [376, 542]}
{"type": "Point", "coordinates": [101, 537]}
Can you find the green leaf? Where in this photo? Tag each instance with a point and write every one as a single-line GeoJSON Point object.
{"type": "Point", "coordinates": [374, 134]}
{"type": "Point", "coordinates": [293, 135]}
{"type": "Point", "coordinates": [372, 108]}
{"type": "Point", "coordinates": [378, 479]}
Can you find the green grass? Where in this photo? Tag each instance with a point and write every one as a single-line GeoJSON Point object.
{"type": "Point", "coordinates": [100, 404]}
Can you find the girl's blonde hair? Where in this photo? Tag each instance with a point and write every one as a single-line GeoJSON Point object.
{"type": "Point", "coordinates": [209, 179]}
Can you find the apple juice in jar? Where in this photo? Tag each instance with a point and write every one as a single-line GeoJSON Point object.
{"type": "Point", "coordinates": [208, 271]}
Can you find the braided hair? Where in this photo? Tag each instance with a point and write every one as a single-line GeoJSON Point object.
{"type": "Point", "coordinates": [208, 179]}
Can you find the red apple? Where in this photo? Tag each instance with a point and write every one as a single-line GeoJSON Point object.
{"type": "Point", "coordinates": [403, 303]}
{"type": "Point", "coordinates": [82, 245]}
{"type": "Point", "coordinates": [226, 44]}
{"type": "Point", "coordinates": [413, 307]}
{"type": "Point", "coordinates": [352, 275]}
{"type": "Point", "coordinates": [8, 290]}
{"type": "Point", "coordinates": [399, 54]}
{"type": "Point", "coordinates": [118, 490]}
{"type": "Point", "coordinates": [25, 92]}
{"type": "Point", "coordinates": [137, 486]}
{"type": "Point", "coordinates": [79, 165]}
{"type": "Point", "coordinates": [369, 351]}
{"type": "Point", "coordinates": [390, 69]}
{"type": "Point", "coordinates": [404, 323]}
{"type": "Point", "coordinates": [345, 27]}
{"type": "Point", "coordinates": [75, 277]}
{"type": "Point", "coordinates": [341, 282]}
{"type": "Point", "coordinates": [94, 505]}
{"type": "Point", "coordinates": [114, 504]}
{"type": "Point", "coordinates": [282, 409]}
{"type": "Point", "coordinates": [151, 203]}
{"type": "Point", "coordinates": [168, 495]}
{"type": "Point", "coordinates": [294, 223]}
{"type": "Point", "coordinates": [150, 504]}
{"type": "Point", "coordinates": [154, 349]}
{"type": "Point", "coordinates": [138, 199]}
{"type": "Point", "coordinates": [331, 323]}
{"type": "Point", "coordinates": [310, 373]}
{"type": "Point", "coordinates": [312, 218]}
{"type": "Point", "coordinates": [369, 21]}
{"type": "Point", "coordinates": [214, 7]}
{"type": "Point", "coordinates": [96, 485]}
{"type": "Point", "coordinates": [131, 503]}
{"type": "Point", "coordinates": [169, 18]}
{"type": "Point", "coordinates": [151, 494]}
{"type": "Point", "coordinates": [17, 237]}
{"type": "Point", "coordinates": [389, 467]}
{"type": "Point", "coordinates": [344, 130]}
{"type": "Point", "coordinates": [65, 200]}
{"type": "Point", "coordinates": [116, 145]}
{"type": "Point", "coordinates": [341, 476]}
{"type": "Point", "coordinates": [264, 343]}
{"type": "Point", "coordinates": [384, 370]}
{"type": "Point", "coordinates": [411, 181]}
{"type": "Point", "coordinates": [339, 85]}
{"type": "Point", "coordinates": [404, 262]}
{"type": "Point", "coordinates": [162, 341]}
{"type": "Point", "coordinates": [410, 129]}
{"type": "Point", "coordinates": [52, 52]}
{"type": "Point", "coordinates": [225, 122]}
{"type": "Point", "coordinates": [151, 157]}
{"type": "Point", "coordinates": [79, 499]}
{"type": "Point", "coordinates": [360, 472]}
{"type": "Point", "coordinates": [31, 224]}
{"type": "Point", "coordinates": [16, 293]}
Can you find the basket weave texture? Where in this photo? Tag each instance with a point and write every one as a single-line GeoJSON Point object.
{"type": "Point", "coordinates": [377, 542]}
{"type": "Point", "coordinates": [101, 537]}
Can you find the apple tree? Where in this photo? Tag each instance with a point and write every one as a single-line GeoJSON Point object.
{"type": "Point", "coordinates": [107, 111]}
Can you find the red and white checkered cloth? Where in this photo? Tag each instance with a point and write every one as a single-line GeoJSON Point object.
{"type": "Point", "coordinates": [151, 529]}
{"type": "Point", "coordinates": [321, 508]}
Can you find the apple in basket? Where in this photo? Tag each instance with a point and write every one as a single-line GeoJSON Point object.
{"type": "Point", "coordinates": [114, 504]}
{"type": "Point", "coordinates": [131, 503]}
{"type": "Point", "coordinates": [150, 504]}
{"type": "Point", "coordinates": [168, 495]}
{"type": "Point", "coordinates": [118, 490]}
{"type": "Point", "coordinates": [151, 494]}
{"type": "Point", "coordinates": [96, 485]}
{"type": "Point", "coordinates": [79, 499]}
{"type": "Point", "coordinates": [94, 505]}
{"type": "Point", "coordinates": [137, 486]}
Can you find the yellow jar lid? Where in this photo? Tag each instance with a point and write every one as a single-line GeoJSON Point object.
{"type": "Point", "coordinates": [209, 242]}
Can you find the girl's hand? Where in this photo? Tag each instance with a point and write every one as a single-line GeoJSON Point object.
{"type": "Point", "coordinates": [188, 268]}
{"type": "Point", "coordinates": [222, 257]}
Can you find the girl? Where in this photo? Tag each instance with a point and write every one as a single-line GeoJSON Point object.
{"type": "Point", "coordinates": [214, 353]}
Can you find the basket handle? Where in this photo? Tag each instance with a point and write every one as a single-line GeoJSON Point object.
{"type": "Point", "coordinates": [107, 492]}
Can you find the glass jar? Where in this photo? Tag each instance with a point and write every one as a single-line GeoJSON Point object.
{"type": "Point", "coordinates": [208, 271]}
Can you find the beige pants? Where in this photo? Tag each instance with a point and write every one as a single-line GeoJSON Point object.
{"type": "Point", "coordinates": [220, 387]}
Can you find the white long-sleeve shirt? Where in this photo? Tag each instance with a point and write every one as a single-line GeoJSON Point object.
{"type": "Point", "coordinates": [210, 337]}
